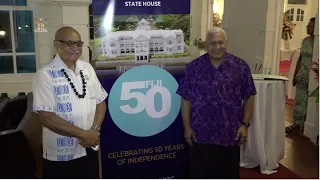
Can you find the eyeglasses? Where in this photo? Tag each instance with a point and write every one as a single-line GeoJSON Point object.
{"type": "Point", "coordinates": [72, 43]}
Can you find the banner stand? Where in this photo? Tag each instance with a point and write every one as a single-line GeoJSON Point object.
{"type": "Point", "coordinates": [142, 133]}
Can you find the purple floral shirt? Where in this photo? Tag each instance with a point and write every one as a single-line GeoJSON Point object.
{"type": "Point", "coordinates": [217, 96]}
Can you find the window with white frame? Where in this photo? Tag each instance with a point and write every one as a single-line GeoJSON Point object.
{"type": "Point", "coordinates": [13, 2]}
{"type": "Point", "coordinates": [299, 2]}
{"type": "Point", "coordinates": [17, 44]}
{"type": "Point", "coordinates": [300, 14]}
{"type": "Point", "coordinates": [91, 23]}
{"type": "Point", "coordinates": [290, 14]}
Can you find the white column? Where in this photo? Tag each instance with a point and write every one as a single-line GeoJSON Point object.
{"type": "Point", "coordinates": [206, 19]}
{"type": "Point", "coordinates": [201, 21]}
{"type": "Point", "coordinates": [209, 14]}
{"type": "Point", "coordinates": [195, 26]}
{"type": "Point", "coordinates": [311, 126]}
{"type": "Point", "coordinates": [285, 5]}
{"type": "Point", "coordinates": [75, 13]}
{"type": "Point", "coordinates": [273, 35]}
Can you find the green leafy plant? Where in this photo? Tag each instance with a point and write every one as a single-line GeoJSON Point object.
{"type": "Point", "coordinates": [216, 21]}
{"type": "Point", "coordinates": [287, 28]}
{"type": "Point", "coordinates": [200, 44]}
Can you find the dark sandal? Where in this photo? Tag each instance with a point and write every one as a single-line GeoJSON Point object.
{"type": "Point", "coordinates": [301, 129]}
{"type": "Point", "coordinates": [289, 129]}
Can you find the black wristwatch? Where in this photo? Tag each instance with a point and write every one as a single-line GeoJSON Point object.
{"type": "Point", "coordinates": [246, 124]}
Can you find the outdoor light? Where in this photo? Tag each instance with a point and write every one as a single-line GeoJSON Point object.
{"type": "Point", "coordinates": [2, 32]}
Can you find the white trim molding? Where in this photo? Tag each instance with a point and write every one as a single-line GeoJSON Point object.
{"type": "Point", "coordinates": [73, 2]}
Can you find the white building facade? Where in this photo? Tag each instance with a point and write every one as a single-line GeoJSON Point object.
{"type": "Point", "coordinates": [142, 42]}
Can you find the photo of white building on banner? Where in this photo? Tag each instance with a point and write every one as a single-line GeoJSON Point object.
{"type": "Point", "coordinates": [142, 42]}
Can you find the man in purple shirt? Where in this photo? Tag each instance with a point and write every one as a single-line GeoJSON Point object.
{"type": "Point", "coordinates": [217, 103]}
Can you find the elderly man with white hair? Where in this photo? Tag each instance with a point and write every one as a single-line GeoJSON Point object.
{"type": "Point", "coordinates": [217, 93]}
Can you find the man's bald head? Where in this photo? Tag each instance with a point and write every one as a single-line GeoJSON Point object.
{"type": "Point", "coordinates": [68, 44]}
{"type": "Point", "coordinates": [66, 31]}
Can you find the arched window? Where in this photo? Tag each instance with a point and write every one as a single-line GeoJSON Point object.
{"type": "Point", "coordinates": [290, 14]}
{"type": "Point", "coordinates": [300, 15]}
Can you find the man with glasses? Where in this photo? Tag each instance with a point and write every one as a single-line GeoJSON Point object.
{"type": "Point", "coordinates": [70, 102]}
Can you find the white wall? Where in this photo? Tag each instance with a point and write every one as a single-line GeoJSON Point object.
{"type": "Point", "coordinates": [58, 13]}
{"type": "Point", "coordinates": [242, 28]}
{"type": "Point", "coordinates": [250, 26]}
{"type": "Point", "coordinates": [53, 13]}
{"type": "Point", "coordinates": [75, 13]}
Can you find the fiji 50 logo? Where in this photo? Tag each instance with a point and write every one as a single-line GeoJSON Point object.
{"type": "Point", "coordinates": [143, 101]}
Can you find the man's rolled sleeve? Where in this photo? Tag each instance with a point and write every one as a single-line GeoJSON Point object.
{"type": "Point", "coordinates": [101, 92]}
{"type": "Point", "coordinates": [248, 88]}
{"type": "Point", "coordinates": [184, 89]}
{"type": "Point", "coordinates": [43, 93]}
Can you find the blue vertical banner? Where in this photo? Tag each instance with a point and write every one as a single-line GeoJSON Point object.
{"type": "Point", "coordinates": [142, 134]}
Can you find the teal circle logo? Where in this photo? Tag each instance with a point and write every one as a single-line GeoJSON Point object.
{"type": "Point", "coordinates": [143, 101]}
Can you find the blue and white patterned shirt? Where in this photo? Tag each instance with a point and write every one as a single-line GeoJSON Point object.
{"type": "Point", "coordinates": [52, 93]}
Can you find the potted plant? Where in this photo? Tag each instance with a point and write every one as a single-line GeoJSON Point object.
{"type": "Point", "coordinates": [287, 30]}
{"type": "Point", "coordinates": [198, 42]}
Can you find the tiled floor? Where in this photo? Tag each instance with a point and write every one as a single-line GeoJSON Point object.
{"type": "Point", "coordinates": [301, 156]}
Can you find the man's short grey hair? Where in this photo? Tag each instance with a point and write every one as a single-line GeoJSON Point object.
{"type": "Point", "coordinates": [215, 30]}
